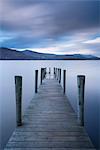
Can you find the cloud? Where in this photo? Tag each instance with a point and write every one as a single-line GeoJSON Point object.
{"type": "Point", "coordinates": [27, 21]}
{"type": "Point", "coordinates": [45, 18]}
{"type": "Point", "coordinates": [55, 26]}
{"type": "Point", "coordinates": [74, 45]}
{"type": "Point", "coordinates": [93, 41]}
{"type": "Point", "coordinates": [57, 50]}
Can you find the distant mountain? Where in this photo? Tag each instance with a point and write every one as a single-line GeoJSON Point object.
{"type": "Point", "coordinates": [81, 56]}
{"type": "Point", "coordinates": [39, 56]}
{"type": "Point", "coordinates": [9, 54]}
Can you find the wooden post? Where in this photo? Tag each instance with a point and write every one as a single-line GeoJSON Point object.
{"type": "Point", "coordinates": [41, 74]}
{"type": "Point", "coordinates": [49, 72]}
{"type": "Point", "coordinates": [81, 87]}
{"type": "Point", "coordinates": [45, 72]}
{"type": "Point", "coordinates": [54, 73]}
{"type": "Point", "coordinates": [36, 80]}
{"type": "Point", "coordinates": [64, 81]}
{"type": "Point", "coordinates": [18, 90]}
{"type": "Point", "coordinates": [59, 75]}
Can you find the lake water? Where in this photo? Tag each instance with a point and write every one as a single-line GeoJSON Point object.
{"type": "Point", "coordinates": [8, 69]}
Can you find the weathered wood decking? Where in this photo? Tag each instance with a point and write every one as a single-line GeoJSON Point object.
{"type": "Point", "coordinates": [49, 123]}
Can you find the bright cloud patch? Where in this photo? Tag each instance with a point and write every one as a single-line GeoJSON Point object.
{"type": "Point", "coordinates": [94, 41]}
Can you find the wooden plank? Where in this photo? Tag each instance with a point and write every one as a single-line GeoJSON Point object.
{"type": "Point", "coordinates": [31, 137]}
{"type": "Point", "coordinates": [38, 129]}
{"type": "Point", "coordinates": [49, 134]}
{"type": "Point", "coordinates": [49, 149]}
{"type": "Point", "coordinates": [49, 123]}
{"type": "Point", "coordinates": [50, 144]}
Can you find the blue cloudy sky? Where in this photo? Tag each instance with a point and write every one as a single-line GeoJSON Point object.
{"type": "Point", "coordinates": [51, 26]}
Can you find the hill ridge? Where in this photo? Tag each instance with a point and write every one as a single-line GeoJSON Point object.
{"type": "Point", "coordinates": [13, 54]}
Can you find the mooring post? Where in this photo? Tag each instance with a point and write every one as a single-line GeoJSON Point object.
{"type": "Point", "coordinates": [64, 81]}
{"type": "Point", "coordinates": [49, 72]}
{"type": "Point", "coordinates": [36, 81]}
{"type": "Point", "coordinates": [59, 75]}
{"type": "Point", "coordinates": [18, 93]}
{"type": "Point", "coordinates": [41, 74]}
{"type": "Point", "coordinates": [54, 73]}
{"type": "Point", "coordinates": [81, 89]}
{"type": "Point", "coordinates": [45, 72]}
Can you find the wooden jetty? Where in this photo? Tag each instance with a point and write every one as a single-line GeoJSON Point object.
{"type": "Point", "coordinates": [49, 123]}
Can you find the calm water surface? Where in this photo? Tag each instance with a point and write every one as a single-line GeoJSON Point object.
{"type": "Point", "coordinates": [8, 69]}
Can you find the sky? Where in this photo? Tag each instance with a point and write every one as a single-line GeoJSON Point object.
{"type": "Point", "coordinates": [51, 26]}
